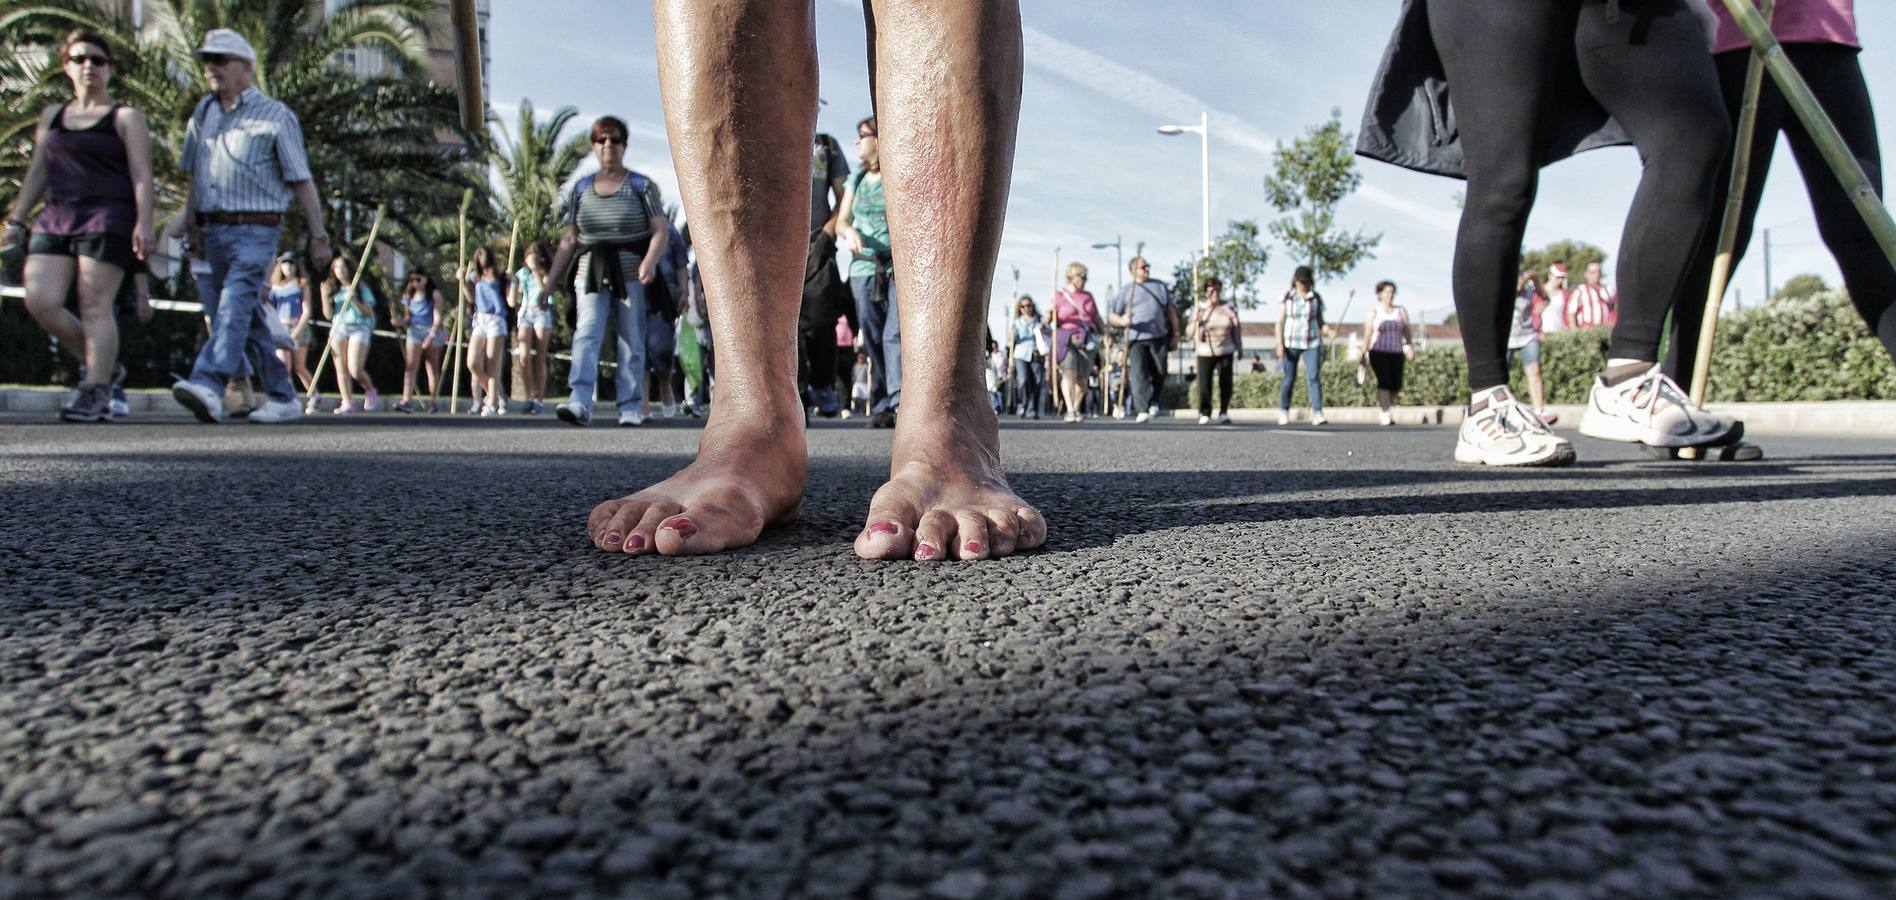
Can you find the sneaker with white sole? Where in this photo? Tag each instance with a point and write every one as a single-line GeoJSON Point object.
{"type": "Point", "coordinates": [1224, 418]}
{"type": "Point", "coordinates": [1142, 418]}
{"type": "Point", "coordinates": [271, 412]}
{"type": "Point", "coordinates": [631, 418]}
{"type": "Point", "coordinates": [91, 403]}
{"type": "Point", "coordinates": [371, 401]}
{"type": "Point", "coordinates": [1651, 409]}
{"type": "Point", "coordinates": [1318, 419]}
{"type": "Point", "coordinates": [1283, 417]}
{"type": "Point", "coordinates": [1507, 434]}
{"type": "Point", "coordinates": [1385, 418]}
{"type": "Point", "coordinates": [120, 407]}
{"type": "Point", "coordinates": [572, 413]}
{"type": "Point", "coordinates": [206, 404]}
{"type": "Point", "coordinates": [346, 408]}
{"type": "Point", "coordinates": [1204, 420]}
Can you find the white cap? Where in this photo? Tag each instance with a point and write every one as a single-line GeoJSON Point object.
{"type": "Point", "coordinates": [228, 43]}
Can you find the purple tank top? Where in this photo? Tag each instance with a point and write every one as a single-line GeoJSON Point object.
{"type": "Point", "coordinates": [89, 184]}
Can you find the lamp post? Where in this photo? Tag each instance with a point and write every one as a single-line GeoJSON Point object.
{"type": "Point", "coordinates": [1119, 265]}
{"type": "Point", "coordinates": [1203, 130]}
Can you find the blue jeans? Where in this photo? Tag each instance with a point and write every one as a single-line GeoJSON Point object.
{"type": "Point", "coordinates": [1313, 356]}
{"type": "Point", "coordinates": [240, 340]}
{"type": "Point", "coordinates": [589, 335]}
{"type": "Point", "coordinates": [881, 328]}
{"type": "Point", "coordinates": [1027, 387]}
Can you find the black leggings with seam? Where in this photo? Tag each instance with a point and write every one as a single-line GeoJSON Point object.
{"type": "Point", "coordinates": [1836, 78]}
{"type": "Point", "coordinates": [1649, 64]}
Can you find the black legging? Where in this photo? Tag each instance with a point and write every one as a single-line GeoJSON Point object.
{"type": "Point", "coordinates": [1835, 77]}
{"type": "Point", "coordinates": [1206, 366]}
{"type": "Point", "coordinates": [1648, 64]}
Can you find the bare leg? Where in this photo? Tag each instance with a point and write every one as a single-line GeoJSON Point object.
{"type": "Point", "coordinates": [433, 358]}
{"type": "Point", "coordinates": [359, 364]}
{"type": "Point", "coordinates": [739, 81]}
{"type": "Point", "coordinates": [411, 369]}
{"type": "Point", "coordinates": [947, 82]}
{"type": "Point", "coordinates": [48, 281]}
{"type": "Point", "coordinates": [339, 349]}
{"type": "Point", "coordinates": [98, 289]}
{"type": "Point", "coordinates": [541, 338]}
{"type": "Point", "coordinates": [1536, 388]}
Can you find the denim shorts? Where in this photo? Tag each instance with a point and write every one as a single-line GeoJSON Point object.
{"type": "Point", "coordinates": [539, 319]}
{"type": "Point", "coordinates": [301, 336]}
{"type": "Point", "coordinates": [488, 325]}
{"type": "Point", "coordinates": [1529, 355]}
{"type": "Point", "coordinates": [418, 334]}
{"type": "Point", "coordinates": [342, 334]}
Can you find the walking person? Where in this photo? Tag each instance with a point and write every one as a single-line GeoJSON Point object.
{"type": "Point", "coordinates": [826, 293]}
{"type": "Point", "coordinates": [351, 314]}
{"type": "Point", "coordinates": [423, 315]}
{"type": "Point", "coordinates": [1524, 341]}
{"type": "Point", "coordinates": [617, 231]}
{"type": "Point", "coordinates": [1389, 346]}
{"type": "Point", "coordinates": [487, 344]}
{"type": "Point", "coordinates": [1217, 338]}
{"type": "Point", "coordinates": [1533, 83]}
{"type": "Point", "coordinates": [862, 228]}
{"type": "Point", "coordinates": [294, 308]}
{"type": "Point", "coordinates": [531, 294]}
{"type": "Point", "coordinates": [1026, 359]}
{"type": "Point", "coordinates": [1076, 324]}
{"type": "Point", "coordinates": [91, 163]}
{"type": "Point", "coordinates": [739, 81]}
{"type": "Point", "coordinates": [664, 297]}
{"type": "Point", "coordinates": [1592, 304]}
{"type": "Point", "coordinates": [244, 153]}
{"type": "Point", "coordinates": [1144, 309]}
{"type": "Point", "coordinates": [1301, 330]}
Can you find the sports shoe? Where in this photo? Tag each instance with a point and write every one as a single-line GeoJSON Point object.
{"type": "Point", "coordinates": [371, 401]}
{"type": "Point", "coordinates": [1737, 451]}
{"type": "Point", "coordinates": [1224, 418]}
{"type": "Point", "coordinates": [1283, 417]}
{"type": "Point", "coordinates": [1547, 418]}
{"type": "Point", "coordinates": [500, 409]}
{"type": "Point", "coordinates": [271, 412]}
{"type": "Point", "coordinates": [486, 411]}
{"type": "Point", "coordinates": [120, 407]}
{"type": "Point", "coordinates": [1650, 409]}
{"type": "Point", "coordinates": [1318, 419]}
{"type": "Point", "coordinates": [670, 410]}
{"type": "Point", "coordinates": [90, 404]}
{"type": "Point", "coordinates": [1506, 433]}
{"type": "Point", "coordinates": [1142, 418]}
{"type": "Point", "coordinates": [346, 408]}
{"type": "Point", "coordinates": [573, 414]}
{"type": "Point", "coordinates": [405, 406]}
{"type": "Point", "coordinates": [631, 418]}
{"type": "Point", "coordinates": [1385, 418]}
{"type": "Point", "coordinates": [1204, 420]}
{"type": "Point", "coordinates": [206, 404]}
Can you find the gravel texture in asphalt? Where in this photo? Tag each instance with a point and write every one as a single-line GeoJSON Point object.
{"type": "Point", "coordinates": [380, 658]}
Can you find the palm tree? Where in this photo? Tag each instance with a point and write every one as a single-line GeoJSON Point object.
{"type": "Point", "coordinates": [371, 140]}
{"type": "Point", "coordinates": [534, 162]}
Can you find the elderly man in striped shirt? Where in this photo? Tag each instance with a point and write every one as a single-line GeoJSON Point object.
{"type": "Point", "coordinates": [1592, 304]}
{"type": "Point", "coordinates": [244, 151]}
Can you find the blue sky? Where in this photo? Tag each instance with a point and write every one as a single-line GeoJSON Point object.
{"type": "Point", "coordinates": [1103, 74]}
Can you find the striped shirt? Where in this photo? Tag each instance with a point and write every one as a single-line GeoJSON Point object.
{"type": "Point", "coordinates": [1388, 330]}
{"type": "Point", "coordinates": [624, 216]}
{"type": "Point", "coordinates": [1303, 320]}
{"type": "Point", "coordinates": [243, 159]}
{"type": "Point", "coordinates": [1590, 306]}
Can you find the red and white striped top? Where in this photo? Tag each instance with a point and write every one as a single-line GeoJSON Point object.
{"type": "Point", "coordinates": [1590, 306]}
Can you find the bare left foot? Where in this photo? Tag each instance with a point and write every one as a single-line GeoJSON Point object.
{"type": "Point", "coordinates": [946, 497]}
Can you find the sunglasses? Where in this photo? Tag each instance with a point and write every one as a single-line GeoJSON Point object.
{"type": "Point", "coordinates": [80, 59]}
{"type": "Point", "coordinates": [865, 135]}
{"type": "Point", "coordinates": [619, 141]}
{"type": "Point", "coordinates": [215, 59]}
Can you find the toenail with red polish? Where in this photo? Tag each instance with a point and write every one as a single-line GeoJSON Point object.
{"type": "Point", "coordinates": [635, 543]}
{"type": "Point", "coordinates": [613, 538]}
{"type": "Point", "coordinates": [885, 528]}
{"type": "Point", "coordinates": [973, 547]}
{"type": "Point", "coordinates": [681, 525]}
{"type": "Point", "coordinates": [926, 551]}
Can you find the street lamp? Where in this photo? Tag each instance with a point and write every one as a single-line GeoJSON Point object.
{"type": "Point", "coordinates": [1119, 265]}
{"type": "Point", "coordinates": [1203, 130]}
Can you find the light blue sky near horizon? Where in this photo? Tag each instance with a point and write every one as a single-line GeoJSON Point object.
{"type": "Point", "coordinates": [1101, 77]}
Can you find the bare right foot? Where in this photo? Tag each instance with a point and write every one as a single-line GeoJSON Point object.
{"type": "Point", "coordinates": [748, 476]}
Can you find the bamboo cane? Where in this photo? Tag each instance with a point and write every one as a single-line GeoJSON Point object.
{"type": "Point", "coordinates": [315, 377]}
{"type": "Point", "coordinates": [1728, 230]}
{"type": "Point", "coordinates": [517, 353]}
{"type": "Point", "coordinates": [1053, 342]}
{"type": "Point", "coordinates": [457, 349]}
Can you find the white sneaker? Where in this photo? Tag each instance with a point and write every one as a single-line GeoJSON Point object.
{"type": "Point", "coordinates": [486, 411]}
{"type": "Point", "coordinates": [371, 401]}
{"type": "Point", "coordinates": [631, 418]}
{"type": "Point", "coordinates": [1142, 418]}
{"type": "Point", "coordinates": [1283, 417]}
{"type": "Point", "coordinates": [1507, 433]}
{"type": "Point", "coordinates": [1204, 420]}
{"type": "Point", "coordinates": [572, 413]}
{"type": "Point", "coordinates": [274, 411]}
{"type": "Point", "coordinates": [206, 404]}
{"type": "Point", "coordinates": [1318, 419]}
{"type": "Point", "coordinates": [1651, 409]}
{"type": "Point", "coordinates": [1224, 418]}
{"type": "Point", "coordinates": [668, 411]}
{"type": "Point", "coordinates": [500, 409]}
{"type": "Point", "coordinates": [1385, 418]}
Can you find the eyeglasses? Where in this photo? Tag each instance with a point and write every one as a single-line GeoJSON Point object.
{"type": "Point", "coordinates": [80, 59]}
{"type": "Point", "coordinates": [215, 59]}
{"type": "Point", "coordinates": [616, 141]}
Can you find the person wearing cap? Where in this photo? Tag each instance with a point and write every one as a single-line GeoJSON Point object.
{"type": "Point", "coordinates": [244, 153]}
{"type": "Point", "coordinates": [1144, 309]}
{"type": "Point", "coordinates": [92, 164]}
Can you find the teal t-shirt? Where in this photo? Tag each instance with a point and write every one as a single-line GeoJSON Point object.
{"type": "Point", "coordinates": [531, 294]}
{"type": "Point", "coordinates": [346, 312]}
{"type": "Point", "coordinates": [870, 217]}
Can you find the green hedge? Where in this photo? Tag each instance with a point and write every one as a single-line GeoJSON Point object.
{"type": "Point", "coordinates": [1791, 349]}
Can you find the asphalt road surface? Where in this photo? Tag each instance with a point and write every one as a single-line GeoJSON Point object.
{"type": "Point", "coordinates": [379, 658]}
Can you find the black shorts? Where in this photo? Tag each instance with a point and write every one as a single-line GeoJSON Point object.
{"type": "Point", "coordinates": [100, 245]}
{"type": "Point", "coordinates": [1388, 369]}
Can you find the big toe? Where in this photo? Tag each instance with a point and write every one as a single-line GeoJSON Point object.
{"type": "Point", "coordinates": [712, 523]}
{"type": "Point", "coordinates": [890, 533]}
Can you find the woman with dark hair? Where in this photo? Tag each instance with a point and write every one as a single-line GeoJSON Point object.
{"type": "Point", "coordinates": [618, 232]}
{"type": "Point", "coordinates": [1027, 370]}
{"type": "Point", "coordinates": [92, 165]}
{"type": "Point", "coordinates": [1217, 338]}
{"type": "Point", "coordinates": [1387, 347]}
{"type": "Point", "coordinates": [487, 341]}
{"type": "Point", "coordinates": [532, 295]}
{"type": "Point", "coordinates": [291, 303]}
{"type": "Point", "coordinates": [351, 313]}
{"type": "Point", "coordinates": [862, 228]}
{"type": "Point", "coordinates": [1530, 84]}
{"type": "Point", "coordinates": [1300, 332]}
{"type": "Point", "coordinates": [422, 316]}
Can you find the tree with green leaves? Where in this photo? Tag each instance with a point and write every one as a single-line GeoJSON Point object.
{"type": "Point", "coordinates": [371, 140]}
{"type": "Point", "coordinates": [1576, 254]}
{"type": "Point", "coordinates": [1801, 287]}
{"type": "Point", "coordinates": [534, 160]}
{"type": "Point", "coordinates": [1308, 180]}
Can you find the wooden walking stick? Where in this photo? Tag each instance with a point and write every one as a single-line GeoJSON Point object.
{"type": "Point", "coordinates": [362, 264]}
{"type": "Point", "coordinates": [517, 352]}
{"type": "Point", "coordinates": [456, 348]}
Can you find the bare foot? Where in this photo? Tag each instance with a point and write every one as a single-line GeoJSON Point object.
{"type": "Point", "coordinates": [946, 497]}
{"type": "Point", "coordinates": [748, 476]}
